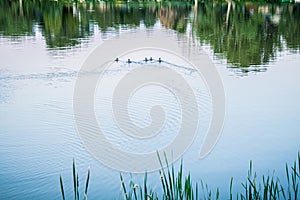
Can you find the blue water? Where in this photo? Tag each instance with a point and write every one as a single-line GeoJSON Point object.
{"type": "Point", "coordinates": [39, 140]}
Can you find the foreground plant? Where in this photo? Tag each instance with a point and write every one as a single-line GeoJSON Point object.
{"type": "Point", "coordinates": [75, 184]}
{"type": "Point", "coordinates": [176, 187]}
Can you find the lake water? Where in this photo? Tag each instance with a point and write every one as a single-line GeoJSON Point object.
{"type": "Point", "coordinates": [255, 49]}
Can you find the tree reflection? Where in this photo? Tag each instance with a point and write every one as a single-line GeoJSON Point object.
{"type": "Point", "coordinates": [174, 16]}
{"type": "Point", "coordinates": [246, 34]}
{"type": "Point", "coordinates": [16, 18]}
{"type": "Point", "coordinates": [289, 25]}
{"type": "Point", "coordinates": [63, 25]}
{"type": "Point", "coordinates": [249, 38]}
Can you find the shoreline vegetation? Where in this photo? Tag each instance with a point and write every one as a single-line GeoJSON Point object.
{"type": "Point", "coordinates": [175, 186]}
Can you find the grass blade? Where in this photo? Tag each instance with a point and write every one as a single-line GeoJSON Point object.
{"type": "Point", "coordinates": [230, 188]}
{"type": "Point", "coordinates": [124, 187]}
{"type": "Point", "coordinates": [87, 181]}
{"type": "Point", "coordinates": [74, 180]}
{"type": "Point", "coordinates": [145, 187]}
{"type": "Point", "coordinates": [62, 188]}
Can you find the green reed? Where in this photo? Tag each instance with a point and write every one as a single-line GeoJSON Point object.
{"type": "Point", "coordinates": [75, 184]}
{"type": "Point", "coordinates": [176, 186]}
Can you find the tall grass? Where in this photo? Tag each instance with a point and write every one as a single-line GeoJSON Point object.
{"type": "Point", "coordinates": [75, 184]}
{"type": "Point", "coordinates": [271, 187]}
{"type": "Point", "coordinates": [175, 186]}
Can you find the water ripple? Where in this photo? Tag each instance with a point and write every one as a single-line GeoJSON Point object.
{"type": "Point", "coordinates": [49, 75]}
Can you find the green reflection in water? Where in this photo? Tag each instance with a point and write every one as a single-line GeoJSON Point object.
{"type": "Point", "coordinates": [246, 34]}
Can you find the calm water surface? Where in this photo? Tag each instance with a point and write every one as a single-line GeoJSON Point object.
{"type": "Point", "coordinates": [255, 48]}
